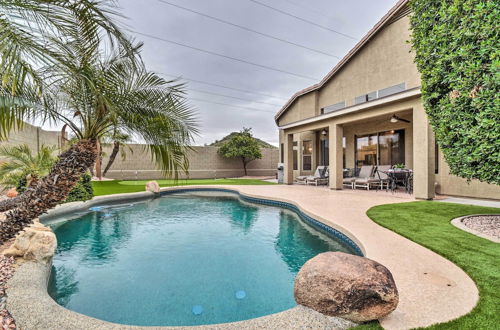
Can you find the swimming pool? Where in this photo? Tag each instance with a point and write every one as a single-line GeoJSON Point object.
{"type": "Point", "coordinates": [189, 258]}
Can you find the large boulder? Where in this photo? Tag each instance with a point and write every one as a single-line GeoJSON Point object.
{"type": "Point", "coordinates": [36, 242]}
{"type": "Point", "coordinates": [347, 286]}
{"type": "Point", "coordinates": [153, 187]}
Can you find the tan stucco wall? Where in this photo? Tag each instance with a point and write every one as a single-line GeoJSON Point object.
{"type": "Point", "coordinates": [304, 107]}
{"type": "Point", "coordinates": [204, 162]}
{"type": "Point", "coordinates": [452, 185]}
{"type": "Point", "coordinates": [385, 61]}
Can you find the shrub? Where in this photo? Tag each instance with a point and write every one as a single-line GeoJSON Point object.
{"type": "Point", "coordinates": [83, 190]}
{"type": "Point", "coordinates": [457, 54]}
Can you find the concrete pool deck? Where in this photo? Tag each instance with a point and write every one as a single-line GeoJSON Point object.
{"type": "Point", "coordinates": [431, 288]}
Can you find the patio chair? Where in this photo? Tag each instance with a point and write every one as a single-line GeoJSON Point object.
{"type": "Point", "coordinates": [382, 176]}
{"type": "Point", "coordinates": [365, 172]}
{"type": "Point", "coordinates": [319, 180]}
{"type": "Point", "coordinates": [317, 174]}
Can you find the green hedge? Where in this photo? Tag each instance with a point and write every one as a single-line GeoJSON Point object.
{"type": "Point", "coordinates": [456, 44]}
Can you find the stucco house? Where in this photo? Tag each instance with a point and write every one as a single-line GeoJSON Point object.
{"type": "Point", "coordinates": [368, 111]}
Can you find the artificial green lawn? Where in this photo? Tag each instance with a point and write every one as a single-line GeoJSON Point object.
{"type": "Point", "coordinates": [119, 187]}
{"type": "Point", "coordinates": [428, 224]}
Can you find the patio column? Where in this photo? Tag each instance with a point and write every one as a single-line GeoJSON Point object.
{"type": "Point", "coordinates": [288, 153]}
{"type": "Point", "coordinates": [335, 133]}
{"type": "Point", "coordinates": [423, 155]}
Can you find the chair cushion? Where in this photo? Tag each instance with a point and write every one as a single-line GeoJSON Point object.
{"type": "Point", "coordinates": [366, 180]}
{"type": "Point", "coordinates": [348, 180]}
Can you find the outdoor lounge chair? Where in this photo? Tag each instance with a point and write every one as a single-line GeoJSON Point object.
{"type": "Point", "coordinates": [319, 180]}
{"type": "Point", "coordinates": [317, 174]}
{"type": "Point", "coordinates": [365, 172]}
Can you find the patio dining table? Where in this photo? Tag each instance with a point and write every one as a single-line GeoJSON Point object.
{"type": "Point", "coordinates": [401, 176]}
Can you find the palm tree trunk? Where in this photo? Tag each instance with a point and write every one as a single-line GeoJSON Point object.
{"type": "Point", "coordinates": [50, 190]}
{"type": "Point", "coordinates": [98, 163]}
{"type": "Point", "coordinates": [116, 148]}
{"type": "Point", "coordinates": [9, 204]}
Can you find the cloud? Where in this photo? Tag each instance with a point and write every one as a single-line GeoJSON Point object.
{"type": "Point", "coordinates": [156, 18]}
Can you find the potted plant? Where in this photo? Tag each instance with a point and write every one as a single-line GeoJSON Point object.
{"type": "Point", "coordinates": [399, 167]}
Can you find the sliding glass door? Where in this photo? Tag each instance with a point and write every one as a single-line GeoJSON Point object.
{"type": "Point", "coordinates": [366, 150]}
{"type": "Point", "coordinates": [391, 148]}
{"type": "Point", "coordinates": [384, 148]}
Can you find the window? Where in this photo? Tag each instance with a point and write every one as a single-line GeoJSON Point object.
{"type": "Point", "coordinates": [344, 144]}
{"type": "Point", "coordinates": [436, 160]}
{"type": "Point", "coordinates": [391, 147]}
{"type": "Point", "coordinates": [380, 93]}
{"type": "Point", "coordinates": [307, 155]}
{"type": "Point", "coordinates": [391, 90]}
{"type": "Point", "coordinates": [333, 107]}
{"type": "Point", "coordinates": [366, 150]}
{"type": "Point", "coordinates": [295, 156]}
{"type": "Point", "coordinates": [324, 152]}
{"type": "Point", "coordinates": [282, 153]}
{"type": "Point", "coordinates": [365, 98]}
{"type": "Point", "coordinates": [384, 148]}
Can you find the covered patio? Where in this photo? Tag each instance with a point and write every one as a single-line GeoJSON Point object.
{"type": "Point", "coordinates": [388, 134]}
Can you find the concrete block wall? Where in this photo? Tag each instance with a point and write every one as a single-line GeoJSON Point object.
{"type": "Point", "coordinates": [34, 137]}
{"type": "Point", "coordinates": [204, 162]}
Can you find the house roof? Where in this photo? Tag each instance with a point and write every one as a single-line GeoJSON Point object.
{"type": "Point", "coordinates": [387, 18]}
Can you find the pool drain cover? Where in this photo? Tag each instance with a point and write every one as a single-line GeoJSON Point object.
{"type": "Point", "coordinates": [240, 294]}
{"type": "Point", "coordinates": [197, 309]}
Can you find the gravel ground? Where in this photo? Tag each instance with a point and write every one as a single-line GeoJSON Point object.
{"type": "Point", "coordinates": [485, 224]}
{"type": "Point", "coordinates": [7, 267]}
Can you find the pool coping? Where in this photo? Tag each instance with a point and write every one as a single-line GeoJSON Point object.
{"type": "Point", "coordinates": [32, 307]}
{"type": "Point", "coordinates": [458, 222]}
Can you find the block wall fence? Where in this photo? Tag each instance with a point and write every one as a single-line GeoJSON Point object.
{"type": "Point", "coordinates": [204, 161]}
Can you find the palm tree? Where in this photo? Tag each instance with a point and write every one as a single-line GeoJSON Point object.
{"type": "Point", "coordinates": [23, 164]}
{"type": "Point", "coordinates": [26, 28]}
{"type": "Point", "coordinates": [92, 93]}
{"type": "Point", "coordinates": [119, 145]}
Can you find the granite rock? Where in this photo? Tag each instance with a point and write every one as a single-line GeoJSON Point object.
{"type": "Point", "coordinates": [347, 286]}
{"type": "Point", "coordinates": [153, 187]}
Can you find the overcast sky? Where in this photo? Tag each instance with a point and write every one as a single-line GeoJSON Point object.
{"type": "Point", "coordinates": [153, 17]}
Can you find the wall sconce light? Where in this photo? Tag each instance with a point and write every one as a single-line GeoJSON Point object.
{"type": "Point", "coordinates": [324, 132]}
{"type": "Point", "coordinates": [395, 119]}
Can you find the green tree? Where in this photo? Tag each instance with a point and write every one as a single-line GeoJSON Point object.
{"type": "Point", "coordinates": [93, 87]}
{"type": "Point", "coordinates": [457, 54]}
{"type": "Point", "coordinates": [243, 146]}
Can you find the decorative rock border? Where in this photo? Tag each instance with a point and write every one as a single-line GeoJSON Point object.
{"type": "Point", "coordinates": [33, 308]}
{"type": "Point", "coordinates": [458, 222]}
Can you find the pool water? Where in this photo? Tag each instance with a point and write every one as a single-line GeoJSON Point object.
{"type": "Point", "coordinates": [183, 259]}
